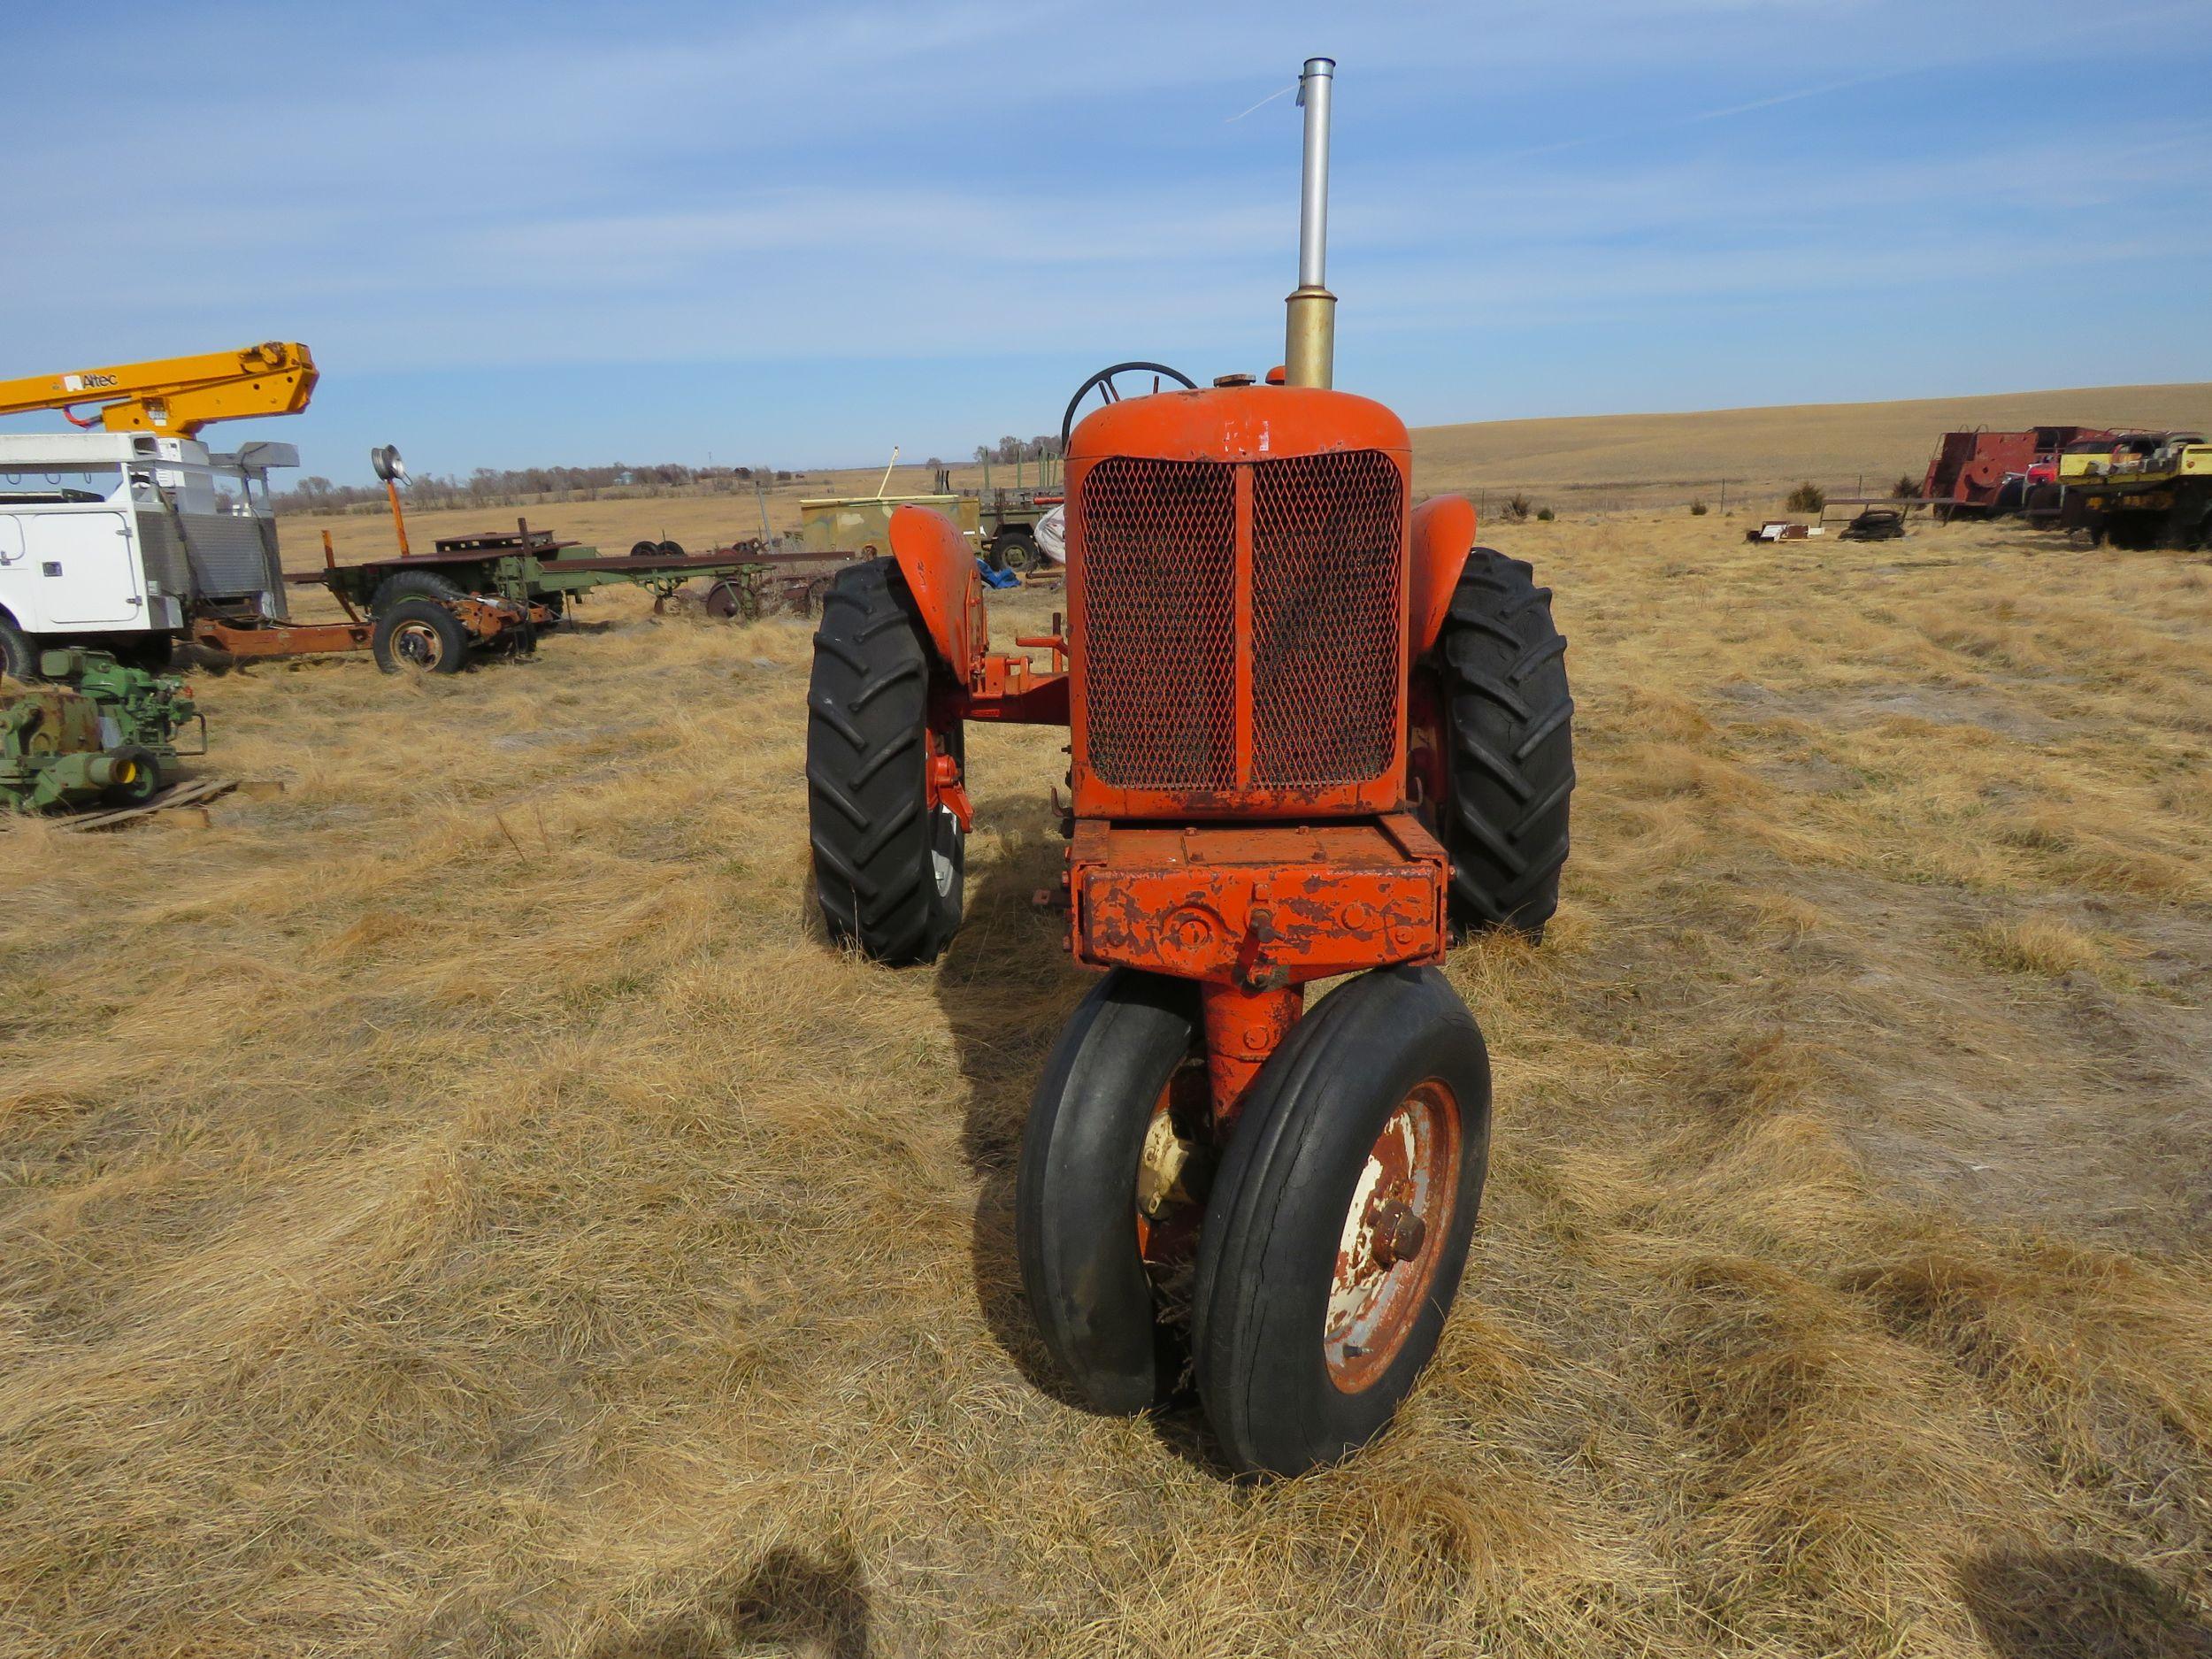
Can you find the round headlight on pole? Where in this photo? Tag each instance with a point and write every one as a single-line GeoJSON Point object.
{"type": "Point", "coordinates": [390, 467]}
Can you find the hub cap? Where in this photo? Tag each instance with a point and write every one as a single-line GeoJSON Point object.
{"type": "Point", "coordinates": [1394, 1232]}
{"type": "Point", "coordinates": [418, 643]}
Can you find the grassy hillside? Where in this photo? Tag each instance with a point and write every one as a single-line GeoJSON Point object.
{"type": "Point", "coordinates": [1578, 463]}
{"type": "Point", "coordinates": [1633, 459]}
{"type": "Point", "coordinates": [462, 1206]}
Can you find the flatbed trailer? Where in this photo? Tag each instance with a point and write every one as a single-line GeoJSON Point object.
{"type": "Point", "coordinates": [484, 593]}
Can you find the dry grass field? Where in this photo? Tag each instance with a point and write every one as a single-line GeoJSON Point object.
{"type": "Point", "coordinates": [1669, 460]}
{"type": "Point", "coordinates": [461, 1206]}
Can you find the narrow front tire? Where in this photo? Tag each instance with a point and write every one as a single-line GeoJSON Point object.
{"type": "Point", "coordinates": [1111, 1188]}
{"type": "Point", "coordinates": [1340, 1224]}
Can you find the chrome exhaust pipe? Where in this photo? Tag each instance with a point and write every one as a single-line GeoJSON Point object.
{"type": "Point", "coordinates": [1309, 344]}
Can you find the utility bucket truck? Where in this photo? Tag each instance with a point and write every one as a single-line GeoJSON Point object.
{"type": "Point", "coordinates": [117, 540]}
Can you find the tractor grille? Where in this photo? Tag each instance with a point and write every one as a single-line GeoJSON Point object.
{"type": "Point", "coordinates": [1159, 598]}
{"type": "Point", "coordinates": [1160, 586]}
{"type": "Point", "coordinates": [1326, 573]}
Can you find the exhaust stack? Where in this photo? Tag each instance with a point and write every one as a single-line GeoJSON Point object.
{"type": "Point", "coordinates": [1309, 346]}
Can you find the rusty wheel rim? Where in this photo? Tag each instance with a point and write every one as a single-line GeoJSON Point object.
{"type": "Point", "coordinates": [417, 645]}
{"type": "Point", "coordinates": [1393, 1234]}
{"type": "Point", "coordinates": [1174, 1173]}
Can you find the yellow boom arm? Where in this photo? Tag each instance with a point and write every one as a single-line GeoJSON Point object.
{"type": "Point", "coordinates": [176, 395]}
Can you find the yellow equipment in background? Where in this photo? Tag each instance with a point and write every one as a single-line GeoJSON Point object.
{"type": "Point", "coordinates": [174, 396]}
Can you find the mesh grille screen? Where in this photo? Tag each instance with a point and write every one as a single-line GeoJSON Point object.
{"type": "Point", "coordinates": [1325, 580]}
{"type": "Point", "coordinates": [1159, 595]}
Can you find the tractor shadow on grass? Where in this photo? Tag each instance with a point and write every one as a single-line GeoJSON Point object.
{"type": "Point", "coordinates": [2077, 1604]}
{"type": "Point", "coordinates": [790, 1603]}
{"type": "Point", "coordinates": [1007, 986]}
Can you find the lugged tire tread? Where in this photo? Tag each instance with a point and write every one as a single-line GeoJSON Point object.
{"type": "Point", "coordinates": [1501, 680]}
{"type": "Point", "coordinates": [867, 713]}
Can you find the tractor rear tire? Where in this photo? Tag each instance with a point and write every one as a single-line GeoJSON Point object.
{"type": "Point", "coordinates": [19, 659]}
{"type": "Point", "coordinates": [1077, 1197]}
{"type": "Point", "coordinates": [1339, 1222]}
{"type": "Point", "coordinates": [1500, 680]}
{"type": "Point", "coordinates": [421, 635]}
{"type": "Point", "coordinates": [889, 871]}
{"type": "Point", "coordinates": [412, 585]}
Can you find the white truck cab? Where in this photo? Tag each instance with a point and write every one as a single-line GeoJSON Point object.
{"type": "Point", "coordinates": [118, 539]}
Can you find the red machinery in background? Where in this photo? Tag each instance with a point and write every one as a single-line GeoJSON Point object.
{"type": "Point", "coordinates": [1315, 733]}
{"type": "Point", "coordinates": [1979, 474]}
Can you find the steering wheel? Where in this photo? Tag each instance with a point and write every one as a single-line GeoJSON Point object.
{"type": "Point", "coordinates": [1109, 393]}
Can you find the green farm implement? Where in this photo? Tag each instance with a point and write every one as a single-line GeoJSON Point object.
{"type": "Point", "coordinates": [93, 732]}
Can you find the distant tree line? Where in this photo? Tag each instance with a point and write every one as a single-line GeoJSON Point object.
{"type": "Point", "coordinates": [1006, 451]}
{"type": "Point", "coordinates": [492, 486]}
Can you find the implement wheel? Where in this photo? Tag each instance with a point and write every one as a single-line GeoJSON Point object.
{"type": "Point", "coordinates": [145, 779]}
{"type": "Point", "coordinates": [889, 870]}
{"type": "Point", "coordinates": [412, 585]}
{"type": "Point", "coordinates": [419, 636]}
{"type": "Point", "coordinates": [1339, 1222]}
{"type": "Point", "coordinates": [1114, 1168]}
{"type": "Point", "coordinates": [728, 600]}
{"type": "Point", "coordinates": [1491, 707]}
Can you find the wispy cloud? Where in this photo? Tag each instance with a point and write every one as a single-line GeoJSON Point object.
{"type": "Point", "coordinates": [452, 195]}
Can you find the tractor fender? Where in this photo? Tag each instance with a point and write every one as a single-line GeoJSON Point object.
{"type": "Point", "coordinates": [939, 566]}
{"type": "Point", "coordinates": [1443, 531]}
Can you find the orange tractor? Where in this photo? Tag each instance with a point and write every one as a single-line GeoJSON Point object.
{"type": "Point", "coordinates": [1315, 734]}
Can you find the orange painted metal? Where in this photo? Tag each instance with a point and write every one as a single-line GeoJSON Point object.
{"type": "Point", "coordinates": [1237, 583]}
{"type": "Point", "coordinates": [1443, 533]}
{"type": "Point", "coordinates": [940, 570]}
{"type": "Point", "coordinates": [1247, 588]}
{"type": "Point", "coordinates": [1233, 424]}
{"type": "Point", "coordinates": [1257, 905]}
{"type": "Point", "coordinates": [1013, 690]}
{"type": "Point", "coordinates": [946, 787]}
{"type": "Point", "coordinates": [1242, 1028]}
{"type": "Point", "coordinates": [281, 639]}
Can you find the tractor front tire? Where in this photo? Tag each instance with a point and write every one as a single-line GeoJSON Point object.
{"type": "Point", "coordinates": [1500, 679]}
{"type": "Point", "coordinates": [418, 636]}
{"type": "Point", "coordinates": [1339, 1223]}
{"type": "Point", "coordinates": [888, 871]}
{"type": "Point", "coordinates": [1083, 1211]}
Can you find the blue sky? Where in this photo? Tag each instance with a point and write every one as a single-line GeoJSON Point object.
{"type": "Point", "coordinates": [579, 233]}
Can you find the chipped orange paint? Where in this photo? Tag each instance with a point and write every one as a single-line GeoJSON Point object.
{"type": "Point", "coordinates": [1259, 905]}
{"type": "Point", "coordinates": [1242, 1028]}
